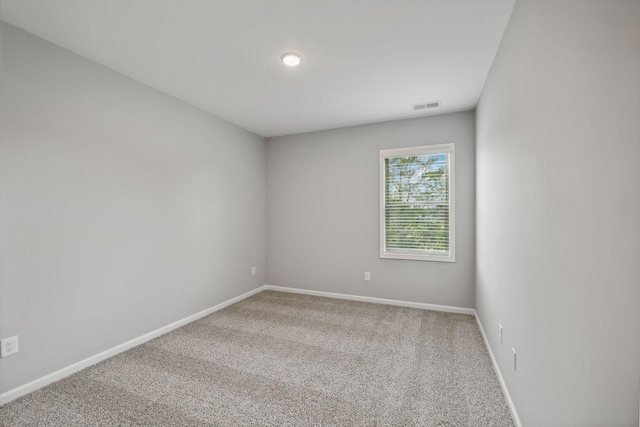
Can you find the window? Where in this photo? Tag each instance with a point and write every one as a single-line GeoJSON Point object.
{"type": "Point", "coordinates": [417, 203]}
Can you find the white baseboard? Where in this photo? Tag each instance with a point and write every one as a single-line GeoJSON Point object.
{"type": "Point", "coordinates": [514, 413]}
{"type": "Point", "coordinates": [65, 372]}
{"type": "Point", "coordinates": [446, 308]}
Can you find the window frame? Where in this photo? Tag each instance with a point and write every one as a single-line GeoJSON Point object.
{"type": "Point", "coordinates": [424, 150]}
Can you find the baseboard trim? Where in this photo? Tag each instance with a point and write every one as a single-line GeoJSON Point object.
{"type": "Point", "coordinates": [34, 385]}
{"type": "Point", "coordinates": [505, 390]}
{"type": "Point", "coordinates": [445, 308]}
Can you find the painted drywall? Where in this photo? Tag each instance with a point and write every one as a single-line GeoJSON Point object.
{"type": "Point", "coordinates": [323, 212]}
{"type": "Point", "coordinates": [122, 209]}
{"type": "Point", "coordinates": [558, 211]}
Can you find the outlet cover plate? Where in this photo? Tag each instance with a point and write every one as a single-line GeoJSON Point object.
{"type": "Point", "coordinates": [8, 346]}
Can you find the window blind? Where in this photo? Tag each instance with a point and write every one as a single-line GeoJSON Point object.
{"type": "Point", "coordinates": [417, 203]}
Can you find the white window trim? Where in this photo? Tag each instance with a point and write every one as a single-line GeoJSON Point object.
{"type": "Point", "coordinates": [425, 150]}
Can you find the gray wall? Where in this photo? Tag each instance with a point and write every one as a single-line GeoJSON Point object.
{"type": "Point", "coordinates": [122, 209]}
{"type": "Point", "coordinates": [558, 211]}
{"type": "Point", "coordinates": [323, 212]}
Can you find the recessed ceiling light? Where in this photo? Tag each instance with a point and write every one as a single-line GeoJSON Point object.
{"type": "Point", "coordinates": [291, 59]}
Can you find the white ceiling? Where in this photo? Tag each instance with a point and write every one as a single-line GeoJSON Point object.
{"type": "Point", "coordinates": [364, 61]}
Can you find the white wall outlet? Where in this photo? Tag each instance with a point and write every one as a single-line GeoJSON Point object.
{"type": "Point", "coordinates": [500, 326]}
{"type": "Point", "coordinates": [367, 276]}
{"type": "Point", "coordinates": [253, 271]}
{"type": "Point", "coordinates": [9, 346]}
{"type": "Point", "coordinates": [514, 358]}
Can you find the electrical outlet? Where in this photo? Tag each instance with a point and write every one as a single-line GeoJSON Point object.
{"type": "Point", "coordinates": [514, 358]}
{"type": "Point", "coordinates": [9, 346]}
{"type": "Point", "coordinates": [253, 271]}
{"type": "Point", "coordinates": [367, 276]}
{"type": "Point", "coordinates": [500, 326]}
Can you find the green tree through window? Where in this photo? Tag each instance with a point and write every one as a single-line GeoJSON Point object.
{"type": "Point", "coordinates": [417, 204]}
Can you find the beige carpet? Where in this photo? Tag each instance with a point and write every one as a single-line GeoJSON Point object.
{"type": "Point", "coordinates": [280, 359]}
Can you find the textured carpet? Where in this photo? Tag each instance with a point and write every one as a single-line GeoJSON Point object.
{"type": "Point", "coordinates": [280, 359]}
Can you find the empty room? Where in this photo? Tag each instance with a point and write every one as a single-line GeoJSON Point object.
{"type": "Point", "coordinates": [320, 213]}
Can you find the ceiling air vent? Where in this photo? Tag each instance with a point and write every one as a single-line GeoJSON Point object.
{"type": "Point", "coordinates": [425, 105]}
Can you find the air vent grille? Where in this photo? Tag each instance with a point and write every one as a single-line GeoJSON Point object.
{"type": "Point", "coordinates": [425, 105]}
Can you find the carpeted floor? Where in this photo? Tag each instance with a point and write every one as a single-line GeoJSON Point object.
{"type": "Point", "coordinates": [281, 359]}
